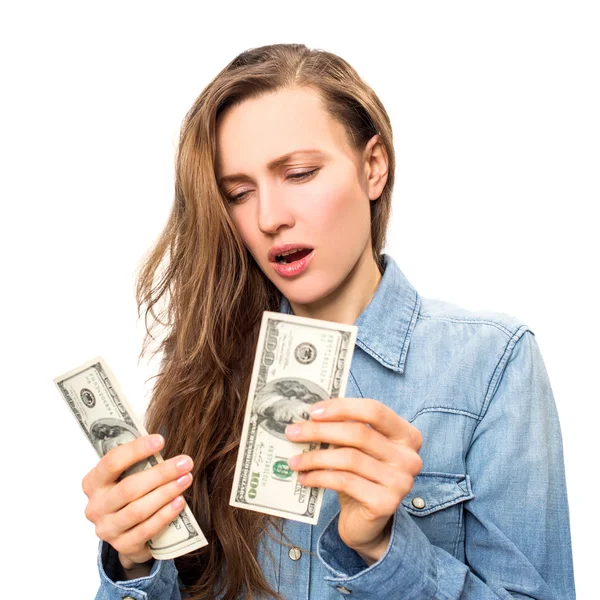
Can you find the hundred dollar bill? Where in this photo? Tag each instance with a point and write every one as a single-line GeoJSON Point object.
{"type": "Point", "coordinates": [97, 402]}
{"type": "Point", "coordinates": [298, 362]}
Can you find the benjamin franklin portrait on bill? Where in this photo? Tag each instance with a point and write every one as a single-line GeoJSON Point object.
{"type": "Point", "coordinates": [286, 401]}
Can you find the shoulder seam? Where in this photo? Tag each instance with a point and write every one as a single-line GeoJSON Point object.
{"type": "Point", "coordinates": [495, 324]}
{"type": "Point", "coordinates": [497, 374]}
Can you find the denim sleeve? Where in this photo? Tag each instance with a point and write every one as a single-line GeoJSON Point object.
{"type": "Point", "coordinates": [160, 584]}
{"type": "Point", "coordinates": [517, 534]}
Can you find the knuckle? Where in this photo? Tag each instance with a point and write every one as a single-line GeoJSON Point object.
{"type": "Point", "coordinates": [344, 479]}
{"type": "Point", "coordinates": [405, 483]}
{"type": "Point", "coordinates": [122, 544]}
{"type": "Point", "coordinates": [150, 527]}
{"type": "Point", "coordinates": [102, 531]}
{"type": "Point", "coordinates": [125, 489]}
{"type": "Point", "coordinates": [390, 505]}
{"type": "Point", "coordinates": [386, 504]}
{"type": "Point", "coordinates": [349, 456]}
{"type": "Point", "coordinates": [131, 488]}
{"type": "Point", "coordinates": [408, 460]}
{"type": "Point", "coordinates": [380, 411]}
{"type": "Point", "coordinates": [111, 461]}
{"type": "Point", "coordinates": [308, 460]}
{"type": "Point", "coordinates": [119, 546]}
{"type": "Point", "coordinates": [360, 461]}
{"type": "Point", "coordinates": [417, 438]}
{"type": "Point", "coordinates": [135, 514]}
{"type": "Point", "coordinates": [90, 513]}
{"type": "Point", "coordinates": [165, 493]}
{"type": "Point", "coordinates": [85, 486]}
{"type": "Point", "coordinates": [143, 532]}
{"type": "Point", "coordinates": [418, 464]}
{"type": "Point", "coordinates": [311, 429]}
{"type": "Point", "coordinates": [364, 434]}
{"type": "Point", "coordinates": [377, 508]}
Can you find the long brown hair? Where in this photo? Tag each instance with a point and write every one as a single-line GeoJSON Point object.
{"type": "Point", "coordinates": [203, 288]}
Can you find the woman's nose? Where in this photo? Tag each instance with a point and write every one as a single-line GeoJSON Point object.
{"type": "Point", "coordinates": [273, 211]}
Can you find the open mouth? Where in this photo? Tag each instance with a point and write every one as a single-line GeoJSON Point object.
{"type": "Point", "coordinates": [292, 256]}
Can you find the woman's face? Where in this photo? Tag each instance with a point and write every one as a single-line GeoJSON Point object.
{"type": "Point", "coordinates": [318, 198]}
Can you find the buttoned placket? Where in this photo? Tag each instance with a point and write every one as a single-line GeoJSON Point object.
{"type": "Point", "coordinates": [294, 565]}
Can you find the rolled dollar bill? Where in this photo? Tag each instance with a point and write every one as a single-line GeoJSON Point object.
{"type": "Point", "coordinates": [298, 362]}
{"type": "Point", "coordinates": [101, 409]}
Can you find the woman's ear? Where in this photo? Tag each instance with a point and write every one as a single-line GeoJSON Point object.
{"type": "Point", "coordinates": [376, 166]}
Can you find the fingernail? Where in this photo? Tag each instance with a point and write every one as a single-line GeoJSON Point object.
{"type": "Point", "coordinates": [184, 480]}
{"type": "Point", "coordinates": [184, 463]}
{"type": "Point", "coordinates": [294, 461]}
{"type": "Point", "coordinates": [319, 411]}
{"type": "Point", "coordinates": [178, 502]}
{"type": "Point", "coordinates": [156, 441]}
{"type": "Point", "coordinates": [292, 430]}
{"type": "Point", "coordinates": [301, 476]}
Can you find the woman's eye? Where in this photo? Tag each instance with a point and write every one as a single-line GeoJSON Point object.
{"type": "Point", "coordinates": [300, 176]}
{"type": "Point", "coordinates": [293, 176]}
{"type": "Point", "coordinates": [237, 197]}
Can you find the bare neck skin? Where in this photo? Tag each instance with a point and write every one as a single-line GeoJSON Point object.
{"type": "Point", "coordinates": [348, 300]}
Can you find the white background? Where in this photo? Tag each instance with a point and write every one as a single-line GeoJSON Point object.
{"type": "Point", "coordinates": [496, 122]}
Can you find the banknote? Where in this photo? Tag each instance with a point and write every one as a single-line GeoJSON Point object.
{"type": "Point", "coordinates": [298, 362]}
{"type": "Point", "coordinates": [99, 405]}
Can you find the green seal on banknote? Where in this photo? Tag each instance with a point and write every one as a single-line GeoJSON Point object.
{"type": "Point", "coordinates": [282, 470]}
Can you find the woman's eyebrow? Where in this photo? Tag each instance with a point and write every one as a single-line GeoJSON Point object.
{"type": "Point", "coordinates": [275, 163]}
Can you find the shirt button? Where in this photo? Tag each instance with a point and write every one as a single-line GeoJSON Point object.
{"type": "Point", "coordinates": [418, 502]}
{"type": "Point", "coordinates": [343, 590]}
{"type": "Point", "coordinates": [128, 598]}
{"type": "Point", "coordinates": [295, 553]}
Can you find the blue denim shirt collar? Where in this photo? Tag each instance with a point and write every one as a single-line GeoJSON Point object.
{"type": "Point", "coordinates": [386, 325]}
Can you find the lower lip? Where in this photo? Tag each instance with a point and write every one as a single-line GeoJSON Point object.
{"type": "Point", "coordinates": [293, 268]}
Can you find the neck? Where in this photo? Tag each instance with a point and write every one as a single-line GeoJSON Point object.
{"type": "Point", "coordinates": [348, 300]}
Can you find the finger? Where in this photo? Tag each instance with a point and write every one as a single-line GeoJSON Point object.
{"type": "Point", "coordinates": [346, 459]}
{"type": "Point", "coordinates": [377, 500]}
{"type": "Point", "coordinates": [142, 509]}
{"type": "Point", "coordinates": [131, 541]}
{"type": "Point", "coordinates": [118, 459]}
{"type": "Point", "coordinates": [366, 410]}
{"type": "Point", "coordinates": [347, 433]}
{"type": "Point", "coordinates": [140, 484]}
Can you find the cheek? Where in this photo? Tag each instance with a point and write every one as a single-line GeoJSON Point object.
{"type": "Point", "coordinates": [337, 208]}
{"type": "Point", "coordinates": [245, 225]}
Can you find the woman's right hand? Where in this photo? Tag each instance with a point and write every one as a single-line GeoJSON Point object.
{"type": "Point", "coordinates": [128, 513]}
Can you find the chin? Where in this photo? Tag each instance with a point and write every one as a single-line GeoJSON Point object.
{"type": "Point", "coordinates": [318, 282]}
{"type": "Point", "coordinates": [307, 291]}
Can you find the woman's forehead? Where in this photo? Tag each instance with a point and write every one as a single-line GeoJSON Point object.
{"type": "Point", "coordinates": [258, 131]}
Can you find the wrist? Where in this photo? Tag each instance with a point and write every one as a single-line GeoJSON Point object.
{"type": "Point", "coordinates": [373, 551]}
{"type": "Point", "coordinates": [133, 570]}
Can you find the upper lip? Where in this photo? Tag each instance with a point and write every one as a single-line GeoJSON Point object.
{"type": "Point", "coordinates": [275, 251]}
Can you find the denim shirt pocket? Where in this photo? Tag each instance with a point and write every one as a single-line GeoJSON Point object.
{"type": "Point", "coordinates": [436, 504]}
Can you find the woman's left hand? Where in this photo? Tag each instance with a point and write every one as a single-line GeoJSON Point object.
{"type": "Point", "coordinates": [372, 467]}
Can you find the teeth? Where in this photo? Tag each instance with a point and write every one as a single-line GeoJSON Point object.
{"type": "Point", "coordinates": [290, 252]}
{"type": "Point", "coordinates": [281, 257]}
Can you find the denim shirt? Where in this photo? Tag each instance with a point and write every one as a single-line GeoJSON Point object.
{"type": "Point", "coordinates": [486, 518]}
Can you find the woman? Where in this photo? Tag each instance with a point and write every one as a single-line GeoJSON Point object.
{"type": "Point", "coordinates": [447, 478]}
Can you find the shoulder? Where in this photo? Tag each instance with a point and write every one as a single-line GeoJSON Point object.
{"type": "Point", "coordinates": [435, 314]}
{"type": "Point", "coordinates": [462, 352]}
{"type": "Point", "coordinates": [486, 337]}
{"type": "Point", "coordinates": [482, 338]}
